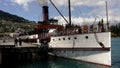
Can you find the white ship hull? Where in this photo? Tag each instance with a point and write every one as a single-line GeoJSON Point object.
{"type": "Point", "coordinates": [84, 47]}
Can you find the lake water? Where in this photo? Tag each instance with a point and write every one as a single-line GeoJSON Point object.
{"type": "Point", "coordinates": [115, 52]}
{"type": "Point", "coordinates": [65, 63]}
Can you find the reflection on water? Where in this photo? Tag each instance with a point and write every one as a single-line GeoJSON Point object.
{"type": "Point", "coordinates": [116, 52]}
{"type": "Point", "coordinates": [53, 62]}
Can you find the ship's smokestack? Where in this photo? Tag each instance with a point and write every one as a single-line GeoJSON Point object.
{"type": "Point", "coordinates": [44, 4]}
{"type": "Point", "coordinates": [45, 14]}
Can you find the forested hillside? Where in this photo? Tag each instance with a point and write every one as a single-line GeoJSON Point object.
{"type": "Point", "coordinates": [14, 18]}
{"type": "Point", "coordinates": [13, 23]}
{"type": "Point", "coordinates": [115, 29]}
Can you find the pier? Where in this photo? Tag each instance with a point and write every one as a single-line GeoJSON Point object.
{"type": "Point", "coordinates": [9, 53]}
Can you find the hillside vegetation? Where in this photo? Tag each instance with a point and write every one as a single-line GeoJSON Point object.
{"type": "Point", "coordinates": [12, 23]}
{"type": "Point", "coordinates": [14, 18]}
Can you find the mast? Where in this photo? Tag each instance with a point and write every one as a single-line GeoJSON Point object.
{"type": "Point", "coordinates": [107, 16]}
{"type": "Point", "coordinates": [59, 11]}
{"type": "Point", "coordinates": [69, 6]}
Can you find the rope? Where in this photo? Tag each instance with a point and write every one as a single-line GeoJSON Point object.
{"type": "Point", "coordinates": [97, 40]}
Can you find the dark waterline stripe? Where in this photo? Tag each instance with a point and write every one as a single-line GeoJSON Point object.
{"type": "Point", "coordinates": [82, 49]}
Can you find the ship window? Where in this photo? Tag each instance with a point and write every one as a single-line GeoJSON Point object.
{"type": "Point", "coordinates": [69, 38]}
{"type": "Point", "coordinates": [59, 38]}
{"type": "Point", "coordinates": [75, 37]}
{"type": "Point", "coordinates": [53, 39]}
{"type": "Point", "coordinates": [63, 38]}
{"type": "Point", "coordinates": [86, 37]}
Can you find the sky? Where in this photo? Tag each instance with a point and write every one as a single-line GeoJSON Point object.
{"type": "Point", "coordinates": [82, 10]}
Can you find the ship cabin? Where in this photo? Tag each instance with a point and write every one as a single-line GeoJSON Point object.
{"type": "Point", "coordinates": [84, 29]}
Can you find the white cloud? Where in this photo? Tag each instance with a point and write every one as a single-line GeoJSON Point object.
{"type": "Point", "coordinates": [23, 3]}
{"type": "Point", "coordinates": [43, 2]}
{"type": "Point", "coordinates": [80, 2]}
{"type": "Point", "coordinates": [100, 8]}
{"type": "Point", "coordinates": [97, 8]}
{"type": "Point", "coordinates": [114, 15]}
{"type": "Point", "coordinates": [76, 20]}
{"type": "Point", "coordinates": [114, 10]}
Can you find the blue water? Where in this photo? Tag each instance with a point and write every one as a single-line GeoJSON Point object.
{"type": "Point", "coordinates": [115, 52]}
{"type": "Point", "coordinates": [65, 63]}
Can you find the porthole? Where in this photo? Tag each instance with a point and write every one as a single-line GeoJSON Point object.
{"type": "Point", "coordinates": [53, 39]}
{"type": "Point", "coordinates": [68, 38]}
{"type": "Point", "coordinates": [86, 37]}
{"type": "Point", "coordinates": [59, 38]}
{"type": "Point", "coordinates": [63, 38]}
{"type": "Point", "coordinates": [75, 37]}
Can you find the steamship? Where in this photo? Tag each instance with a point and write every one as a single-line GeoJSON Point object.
{"type": "Point", "coordinates": [89, 43]}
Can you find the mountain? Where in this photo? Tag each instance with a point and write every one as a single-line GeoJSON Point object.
{"type": "Point", "coordinates": [10, 17]}
{"type": "Point", "coordinates": [13, 23]}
